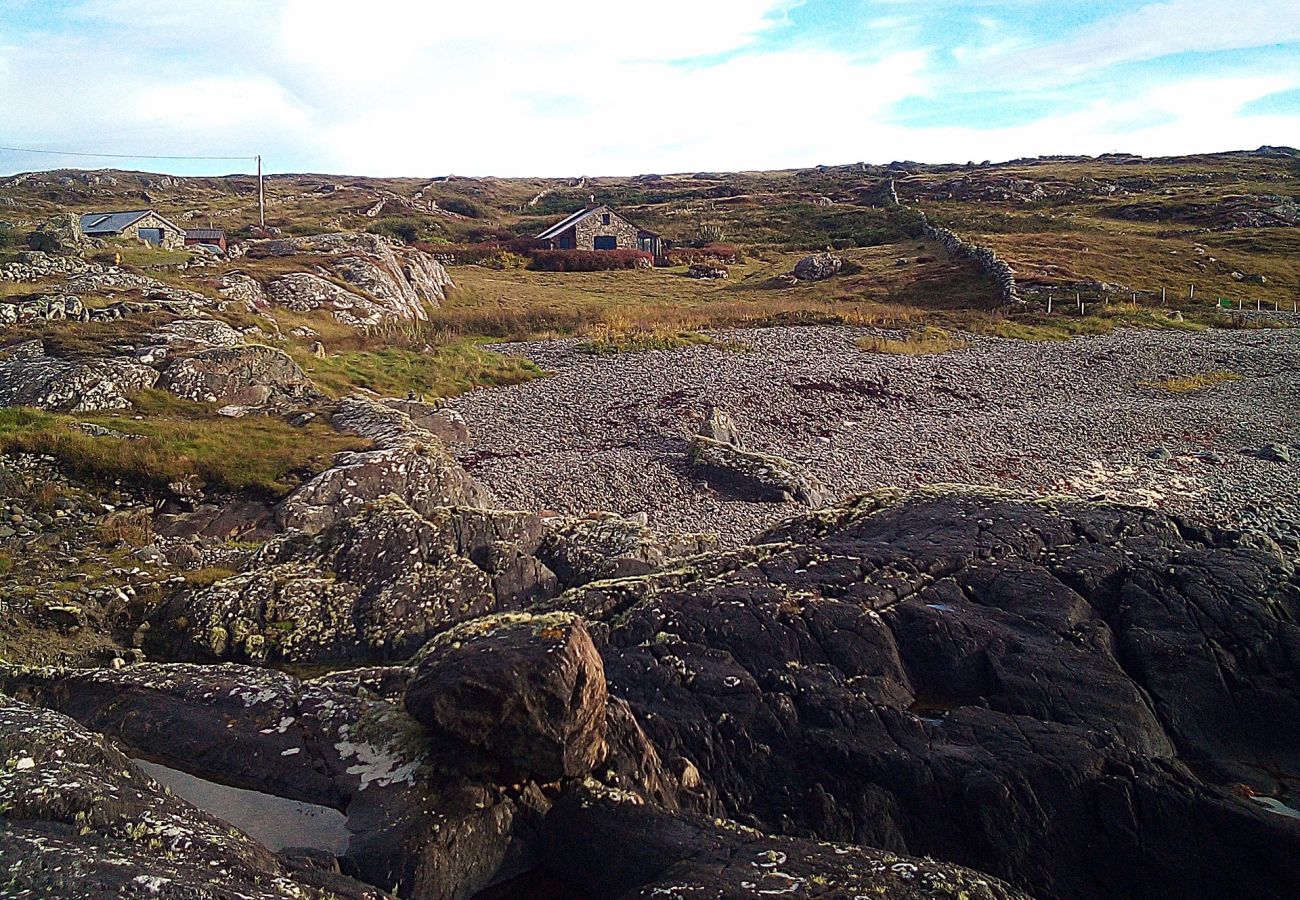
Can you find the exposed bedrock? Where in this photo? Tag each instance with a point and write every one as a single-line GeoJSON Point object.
{"type": "Point", "coordinates": [1078, 699]}
{"type": "Point", "coordinates": [1064, 695]}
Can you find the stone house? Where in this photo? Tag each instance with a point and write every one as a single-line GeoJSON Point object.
{"type": "Point", "coordinates": [598, 227]}
{"type": "Point", "coordinates": [141, 224]}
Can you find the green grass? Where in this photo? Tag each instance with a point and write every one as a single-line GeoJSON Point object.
{"type": "Point", "coordinates": [1061, 327]}
{"type": "Point", "coordinates": [610, 338]}
{"type": "Point", "coordinates": [925, 341]}
{"type": "Point", "coordinates": [176, 440]}
{"type": "Point", "coordinates": [441, 371]}
{"type": "Point", "coordinates": [1186, 384]}
{"type": "Point", "coordinates": [138, 255]}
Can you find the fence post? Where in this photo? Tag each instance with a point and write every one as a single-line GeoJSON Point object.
{"type": "Point", "coordinates": [1191, 294]}
{"type": "Point", "coordinates": [1162, 296]}
{"type": "Point", "coordinates": [1049, 304]}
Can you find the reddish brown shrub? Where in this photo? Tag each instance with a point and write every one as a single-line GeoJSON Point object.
{"type": "Point", "coordinates": [589, 260]}
{"type": "Point", "coordinates": [723, 253]}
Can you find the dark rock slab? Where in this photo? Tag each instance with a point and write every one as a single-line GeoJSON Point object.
{"type": "Point", "coordinates": [528, 690]}
{"type": "Point", "coordinates": [80, 820]}
{"type": "Point", "coordinates": [1065, 695]}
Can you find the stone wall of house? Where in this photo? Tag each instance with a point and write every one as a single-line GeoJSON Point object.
{"type": "Point", "coordinates": [587, 230]}
{"type": "Point", "coordinates": [172, 237]}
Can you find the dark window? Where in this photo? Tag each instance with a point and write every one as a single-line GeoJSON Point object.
{"type": "Point", "coordinates": [606, 242]}
{"type": "Point", "coordinates": [604, 218]}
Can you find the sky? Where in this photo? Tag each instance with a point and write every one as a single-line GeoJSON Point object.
{"type": "Point", "coordinates": [613, 87]}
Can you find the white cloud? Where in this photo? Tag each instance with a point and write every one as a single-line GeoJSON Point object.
{"type": "Point", "coordinates": [1196, 116]}
{"type": "Point", "coordinates": [1153, 30]}
{"type": "Point", "coordinates": [513, 87]}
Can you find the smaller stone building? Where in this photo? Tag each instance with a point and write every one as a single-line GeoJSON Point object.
{"type": "Point", "coordinates": [599, 227]}
{"type": "Point", "coordinates": [211, 237]}
{"type": "Point", "coordinates": [142, 224]}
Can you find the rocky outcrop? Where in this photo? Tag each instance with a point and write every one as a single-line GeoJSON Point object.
{"type": "Point", "coordinates": [410, 462]}
{"type": "Point", "coordinates": [394, 424]}
{"type": "Point", "coordinates": [392, 281]}
{"type": "Point", "coordinates": [42, 308]}
{"type": "Point", "coordinates": [379, 583]}
{"type": "Point", "coordinates": [245, 375]}
{"type": "Point", "coordinates": [527, 690]}
{"type": "Point", "coordinates": [818, 267]}
{"type": "Point", "coordinates": [112, 281]}
{"type": "Point", "coordinates": [718, 425]}
{"type": "Point", "coordinates": [60, 235]}
{"type": "Point", "coordinates": [304, 292]}
{"type": "Point", "coordinates": [426, 478]}
{"type": "Point", "coordinates": [186, 334]}
{"type": "Point", "coordinates": [608, 844]}
{"type": "Point", "coordinates": [28, 377]}
{"type": "Point", "coordinates": [240, 287]}
{"type": "Point", "coordinates": [430, 814]}
{"type": "Point", "coordinates": [609, 546]}
{"type": "Point", "coordinates": [440, 420]}
{"type": "Point", "coordinates": [1078, 698]}
{"type": "Point", "coordinates": [338, 742]}
{"type": "Point", "coordinates": [375, 586]}
{"type": "Point", "coordinates": [34, 265]}
{"type": "Point", "coordinates": [753, 475]}
{"type": "Point", "coordinates": [717, 454]}
{"type": "Point", "coordinates": [81, 820]}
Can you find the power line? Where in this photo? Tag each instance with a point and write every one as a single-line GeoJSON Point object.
{"type": "Point", "coordinates": [261, 196]}
{"type": "Point", "coordinates": [119, 155]}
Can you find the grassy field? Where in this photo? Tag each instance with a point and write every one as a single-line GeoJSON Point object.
{"type": "Point", "coordinates": [518, 304]}
{"type": "Point", "coordinates": [926, 341]}
{"type": "Point", "coordinates": [441, 371]}
{"type": "Point", "coordinates": [167, 440]}
{"type": "Point", "coordinates": [1140, 224]}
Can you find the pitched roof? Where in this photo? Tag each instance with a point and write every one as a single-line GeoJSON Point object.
{"type": "Point", "coordinates": [110, 222]}
{"type": "Point", "coordinates": [205, 234]}
{"type": "Point", "coordinates": [114, 222]}
{"type": "Point", "coordinates": [569, 221]}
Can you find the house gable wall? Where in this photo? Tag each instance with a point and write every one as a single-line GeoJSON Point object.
{"type": "Point", "coordinates": [591, 227]}
{"type": "Point", "coordinates": [171, 236]}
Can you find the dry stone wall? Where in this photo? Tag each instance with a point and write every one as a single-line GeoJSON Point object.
{"type": "Point", "coordinates": [988, 261]}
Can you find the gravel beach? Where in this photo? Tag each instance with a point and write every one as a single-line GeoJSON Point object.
{"type": "Point", "coordinates": [1078, 417]}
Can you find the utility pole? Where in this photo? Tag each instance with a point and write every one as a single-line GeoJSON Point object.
{"type": "Point", "coordinates": [261, 195]}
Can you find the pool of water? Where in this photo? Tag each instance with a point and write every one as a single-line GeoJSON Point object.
{"type": "Point", "coordinates": [275, 822]}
